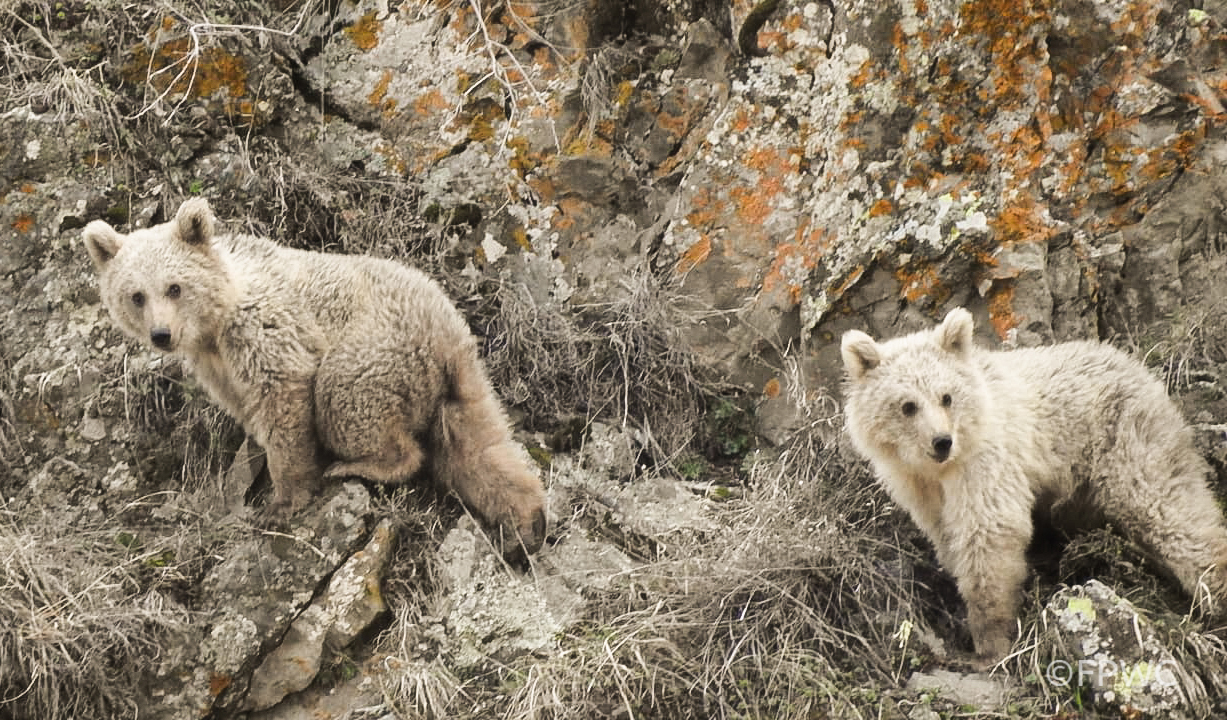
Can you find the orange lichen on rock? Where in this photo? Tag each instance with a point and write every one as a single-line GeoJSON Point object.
{"type": "Point", "coordinates": [754, 204]}
{"type": "Point", "coordinates": [174, 67]}
{"type": "Point", "coordinates": [852, 120]}
{"type": "Point", "coordinates": [391, 156]}
{"type": "Point", "coordinates": [1013, 33]}
{"type": "Point", "coordinates": [219, 69]}
{"type": "Point", "coordinates": [522, 160]}
{"type": "Point", "coordinates": [380, 91]}
{"type": "Point", "coordinates": [838, 289]}
{"type": "Point", "coordinates": [741, 121]}
{"type": "Point", "coordinates": [569, 209]}
{"type": "Point", "coordinates": [623, 95]}
{"type": "Point", "coordinates": [694, 255]}
{"type": "Point", "coordinates": [1001, 308]}
{"type": "Point", "coordinates": [772, 388]}
{"type": "Point", "coordinates": [707, 208]}
{"type": "Point", "coordinates": [24, 223]}
{"type": "Point", "coordinates": [1163, 161]}
{"type": "Point", "coordinates": [430, 102]}
{"type": "Point", "coordinates": [793, 262]}
{"type": "Point", "coordinates": [867, 73]}
{"type": "Point", "coordinates": [919, 282]}
{"type": "Point", "coordinates": [677, 124]}
{"type": "Point", "coordinates": [1021, 223]}
{"type": "Point", "coordinates": [365, 33]}
{"type": "Point", "coordinates": [899, 40]}
{"type": "Point", "coordinates": [520, 237]}
{"type": "Point", "coordinates": [882, 207]}
{"type": "Point", "coordinates": [482, 118]}
{"type": "Point", "coordinates": [1026, 151]}
{"type": "Point", "coordinates": [948, 123]}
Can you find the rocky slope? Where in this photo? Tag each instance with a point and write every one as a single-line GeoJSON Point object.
{"type": "Point", "coordinates": [659, 215]}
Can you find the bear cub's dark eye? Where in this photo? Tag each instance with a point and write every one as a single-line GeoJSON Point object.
{"type": "Point", "coordinates": [909, 408]}
{"type": "Point", "coordinates": [138, 299]}
{"type": "Point", "coordinates": [173, 291]}
{"type": "Point", "coordinates": [947, 401]}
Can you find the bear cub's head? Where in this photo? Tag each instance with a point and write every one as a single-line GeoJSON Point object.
{"type": "Point", "coordinates": [915, 401]}
{"type": "Point", "coordinates": [165, 285]}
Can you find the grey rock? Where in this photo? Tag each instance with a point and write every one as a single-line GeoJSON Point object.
{"type": "Point", "coordinates": [984, 692]}
{"type": "Point", "coordinates": [1108, 647]}
{"type": "Point", "coordinates": [348, 606]}
{"type": "Point", "coordinates": [254, 594]}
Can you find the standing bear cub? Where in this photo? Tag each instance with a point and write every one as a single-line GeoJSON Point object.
{"type": "Point", "coordinates": [970, 442]}
{"type": "Point", "coordinates": [336, 365]}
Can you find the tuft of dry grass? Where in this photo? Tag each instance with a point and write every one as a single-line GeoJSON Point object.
{"type": "Point", "coordinates": [10, 444]}
{"type": "Point", "coordinates": [601, 72]}
{"type": "Point", "coordinates": [1195, 347]}
{"type": "Point", "coordinates": [623, 360]}
{"type": "Point", "coordinates": [36, 73]}
{"type": "Point", "coordinates": [79, 617]}
{"type": "Point", "coordinates": [416, 682]}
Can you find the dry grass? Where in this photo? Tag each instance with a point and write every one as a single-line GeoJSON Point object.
{"type": "Point", "coordinates": [787, 610]}
{"type": "Point", "coordinates": [300, 207]}
{"type": "Point", "coordinates": [794, 606]}
{"type": "Point", "coordinates": [34, 72]}
{"type": "Point", "coordinates": [81, 613]}
{"type": "Point", "coordinates": [1193, 350]}
{"type": "Point", "coordinates": [623, 360]}
{"type": "Point", "coordinates": [417, 683]}
{"type": "Point", "coordinates": [10, 444]}
{"type": "Point", "coordinates": [601, 73]}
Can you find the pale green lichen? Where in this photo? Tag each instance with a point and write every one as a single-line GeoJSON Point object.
{"type": "Point", "coordinates": [1082, 606]}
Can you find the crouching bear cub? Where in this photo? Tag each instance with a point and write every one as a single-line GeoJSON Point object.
{"type": "Point", "coordinates": [336, 365]}
{"type": "Point", "coordinates": [969, 441]}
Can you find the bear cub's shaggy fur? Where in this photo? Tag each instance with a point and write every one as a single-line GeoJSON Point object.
{"type": "Point", "coordinates": [336, 365]}
{"type": "Point", "coordinates": [968, 441]}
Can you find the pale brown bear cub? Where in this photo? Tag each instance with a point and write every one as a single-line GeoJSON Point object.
{"type": "Point", "coordinates": [336, 365]}
{"type": "Point", "coordinates": [969, 441]}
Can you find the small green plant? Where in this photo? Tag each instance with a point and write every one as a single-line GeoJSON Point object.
{"type": "Point", "coordinates": [166, 558]}
{"type": "Point", "coordinates": [127, 540]}
{"type": "Point", "coordinates": [729, 429]}
{"type": "Point", "coordinates": [692, 467]}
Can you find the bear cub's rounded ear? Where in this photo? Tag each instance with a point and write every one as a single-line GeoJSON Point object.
{"type": "Point", "coordinates": [954, 334]}
{"type": "Point", "coordinates": [860, 353]}
{"type": "Point", "coordinates": [102, 242]}
{"type": "Point", "coordinates": [194, 222]}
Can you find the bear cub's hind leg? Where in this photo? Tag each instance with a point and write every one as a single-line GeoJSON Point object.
{"type": "Point", "coordinates": [1179, 524]}
{"type": "Point", "coordinates": [476, 458]}
{"type": "Point", "coordinates": [398, 459]}
{"type": "Point", "coordinates": [368, 418]}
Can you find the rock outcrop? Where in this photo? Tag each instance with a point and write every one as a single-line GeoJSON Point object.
{"type": "Point", "coordinates": [788, 170]}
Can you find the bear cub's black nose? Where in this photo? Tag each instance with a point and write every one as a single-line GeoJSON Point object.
{"type": "Point", "coordinates": [160, 338]}
{"type": "Point", "coordinates": [941, 447]}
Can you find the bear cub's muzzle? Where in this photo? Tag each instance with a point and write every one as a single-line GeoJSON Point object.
{"type": "Point", "coordinates": [160, 337]}
{"type": "Point", "coordinates": [941, 448]}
